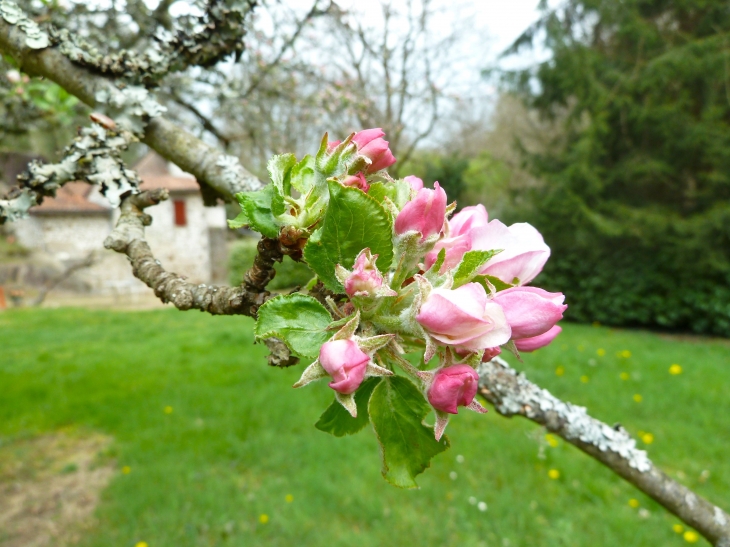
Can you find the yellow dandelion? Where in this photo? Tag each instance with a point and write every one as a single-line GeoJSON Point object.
{"type": "Point", "coordinates": [554, 474]}
{"type": "Point", "coordinates": [289, 498]}
{"type": "Point", "coordinates": [678, 528]}
{"type": "Point", "coordinates": [600, 352]}
{"type": "Point", "coordinates": [625, 354]}
{"type": "Point", "coordinates": [263, 518]}
{"type": "Point", "coordinates": [126, 470]}
{"type": "Point", "coordinates": [450, 496]}
{"type": "Point", "coordinates": [584, 379]}
{"type": "Point", "coordinates": [552, 440]}
{"type": "Point", "coordinates": [560, 371]}
{"type": "Point", "coordinates": [624, 376]}
{"type": "Point", "coordinates": [633, 502]}
{"type": "Point", "coordinates": [168, 410]}
{"type": "Point", "coordinates": [141, 544]}
{"type": "Point", "coordinates": [638, 398]}
{"type": "Point", "coordinates": [690, 536]}
{"type": "Point", "coordinates": [675, 369]}
{"type": "Point", "coordinates": [647, 438]}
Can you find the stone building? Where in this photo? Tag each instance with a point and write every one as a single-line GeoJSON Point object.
{"type": "Point", "coordinates": [185, 236]}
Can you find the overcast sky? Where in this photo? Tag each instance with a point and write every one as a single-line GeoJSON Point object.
{"type": "Point", "coordinates": [498, 21]}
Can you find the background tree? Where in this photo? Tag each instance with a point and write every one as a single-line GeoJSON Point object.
{"type": "Point", "coordinates": [637, 185]}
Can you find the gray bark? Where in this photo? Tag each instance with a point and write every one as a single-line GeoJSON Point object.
{"type": "Point", "coordinates": [513, 395]}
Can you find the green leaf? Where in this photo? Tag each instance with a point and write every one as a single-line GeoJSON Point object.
{"type": "Point", "coordinates": [239, 222]}
{"type": "Point", "coordinates": [470, 265]}
{"type": "Point", "coordinates": [399, 192]}
{"type": "Point", "coordinates": [279, 168]}
{"type": "Point", "coordinates": [303, 175]}
{"type": "Point", "coordinates": [257, 209]}
{"type": "Point", "coordinates": [397, 409]}
{"type": "Point", "coordinates": [338, 422]}
{"type": "Point", "coordinates": [300, 320]}
{"type": "Point", "coordinates": [353, 221]}
{"type": "Point", "coordinates": [495, 281]}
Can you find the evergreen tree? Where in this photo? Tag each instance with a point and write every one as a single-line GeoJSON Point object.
{"type": "Point", "coordinates": [637, 184]}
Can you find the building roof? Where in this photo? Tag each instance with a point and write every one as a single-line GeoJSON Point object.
{"type": "Point", "coordinates": [72, 197]}
{"type": "Point", "coordinates": [172, 183]}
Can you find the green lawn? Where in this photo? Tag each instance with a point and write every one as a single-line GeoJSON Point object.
{"type": "Point", "coordinates": [239, 440]}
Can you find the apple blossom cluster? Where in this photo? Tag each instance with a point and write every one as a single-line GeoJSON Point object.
{"type": "Point", "coordinates": [417, 296]}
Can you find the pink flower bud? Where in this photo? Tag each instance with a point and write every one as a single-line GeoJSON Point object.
{"type": "Point", "coordinates": [365, 278]}
{"type": "Point", "coordinates": [414, 181]}
{"type": "Point", "coordinates": [464, 318]}
{"type": "Point", "coordinates": [425, 213]}
{"type": "Point", "coordinates": [537, 342]}
{"type": "Point", "coordinates": [370, 143]}
{"type": "Point", "coordinates": [490, 353]}
{"type": "Point", "coordinates": [453, 387]}
{"type": "Point", "coordinates": [523, 255]}
{"type": "Point", "coordinates": [530, 311]}
{"type": "Point", "coordinates": [357, 181]}
{"type": "Point", "coordinates": [345, 362]}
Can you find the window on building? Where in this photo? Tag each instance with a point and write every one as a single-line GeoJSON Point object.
{"type": "Point", "coordinates": [180, 214]}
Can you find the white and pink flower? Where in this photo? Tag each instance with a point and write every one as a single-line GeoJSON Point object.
{"type": "Point", "coordinates": [464, 318]}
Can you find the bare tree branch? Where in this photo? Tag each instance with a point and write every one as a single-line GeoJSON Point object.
{"type": "Point", "coordinates": [222, 173]}
{"type": "Point", "coordinates": [313, 12]}
{"type": "Point", "coordinates": [513, 395]}
{"type": "Point", "coordinates": [207, 124]}
{"type": "Point", "coordinates": [52, 283]}
{"type": "Point", "coordinates": [128, 238]}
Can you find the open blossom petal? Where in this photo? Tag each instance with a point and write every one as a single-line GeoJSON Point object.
{"type": "Point", "coordinates": [414, 181]}
{"type": "Point", "coordinates": [524, 251]}
{"type": "Point", "coordinates": [537, 342]}
{"type": "Point", "coordinates": [458, 240]}
{"type": "Point", "coordinates": [464, 318]}
{"type": "Point", "coordinates": [455, 248]}
{"type": "Point", "coordinates": [530, 311]}
{"type": "Point", "coordinates": [468, 219]}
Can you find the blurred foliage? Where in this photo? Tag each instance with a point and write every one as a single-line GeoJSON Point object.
{"type": "Point", "coordinates": [636, 193]}
{"type": "Point", "coordinates": [10, 249]}
{"type": "Point", "coordinates": [449, 169]}
{"type": "Point", "coordinates": [289, 274]}
{"type": "Point", "coordinates": [36, 115]}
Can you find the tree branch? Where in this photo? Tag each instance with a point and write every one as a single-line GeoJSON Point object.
{"type": "Point", "coordinates": [204, 41]}
{"type": "Point", "coordinates": [221, 173]}
{"type": "Point", "coordinates": [207, 124]}
{"type": "Point", "coordinates": [128, 238]}
{"type": "Point", "coordinates": [51, 284]}
{"type": "Point", "coordinates": [512, 394]}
